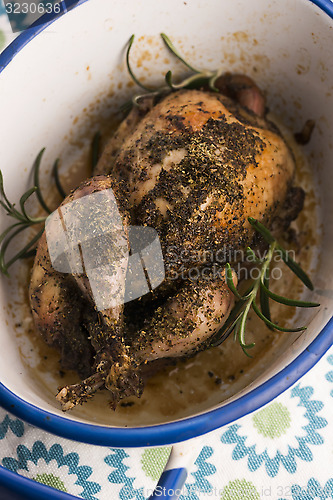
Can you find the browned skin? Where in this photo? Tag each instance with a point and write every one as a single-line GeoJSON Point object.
{"type": "Point", "coordinates": [56, 306]}
{"type": "Point", "coordinates": [195, 166]}
{"type": "Point", "coordinates": [187, 320]}
{"type": "Point", "coordinates": [64, 314]}
{"type": "Point", "coordinates": [179, 328]}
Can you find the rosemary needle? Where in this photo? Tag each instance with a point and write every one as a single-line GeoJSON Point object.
{"type": "Point", "coordinates": [36, 168]}
{"type": "Point", "coordinates": [95, 150]}
{"type": "Point", "coordinates": [174, 51]}
{"type": "Point", "coordinates": [129, 67]}
{"type": "Point", "coordinates": [55, 173]}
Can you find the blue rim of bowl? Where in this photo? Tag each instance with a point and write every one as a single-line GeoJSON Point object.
{"type": "Point", "coordinates": [180, 430]}
{"type": "Point", "coordinates": [28, 489]}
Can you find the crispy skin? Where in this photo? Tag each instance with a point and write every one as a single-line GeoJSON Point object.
{"type": "Point", "coordinates": [187, 320]}
{"type": "Point", "coordinates": [57, 306]}
{"type": "Point", "coordinates": [196, 166]}
{"type": "Point", "coordinates": [62, 304]}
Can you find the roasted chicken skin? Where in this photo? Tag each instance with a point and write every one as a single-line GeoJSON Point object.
{"type": "Point", "coordinates": [63, 305]}
{"type": "Point", "coordinates": [194, 166]}
{"type": "Point", "coordinates": [197, 165]}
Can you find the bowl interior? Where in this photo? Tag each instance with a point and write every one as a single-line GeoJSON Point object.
{"type": "Point", "coordinates": [72, 76]}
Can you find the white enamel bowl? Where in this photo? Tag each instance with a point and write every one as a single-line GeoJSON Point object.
{"type": "Point", "coordinates": [53, 72]}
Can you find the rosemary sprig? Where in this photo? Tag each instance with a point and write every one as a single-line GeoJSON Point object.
{"type": "Point", "coordinates": [236, 321]}
{"type": "Point", "coordinates": [24, 219]}
{"type": "Point", "coordinates": [196, 80]}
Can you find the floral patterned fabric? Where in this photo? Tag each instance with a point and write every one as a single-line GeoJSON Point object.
{"type": "Point", "coordinates": [284, 451]}
{"type": "Point", "coordinates": [281, 452]}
